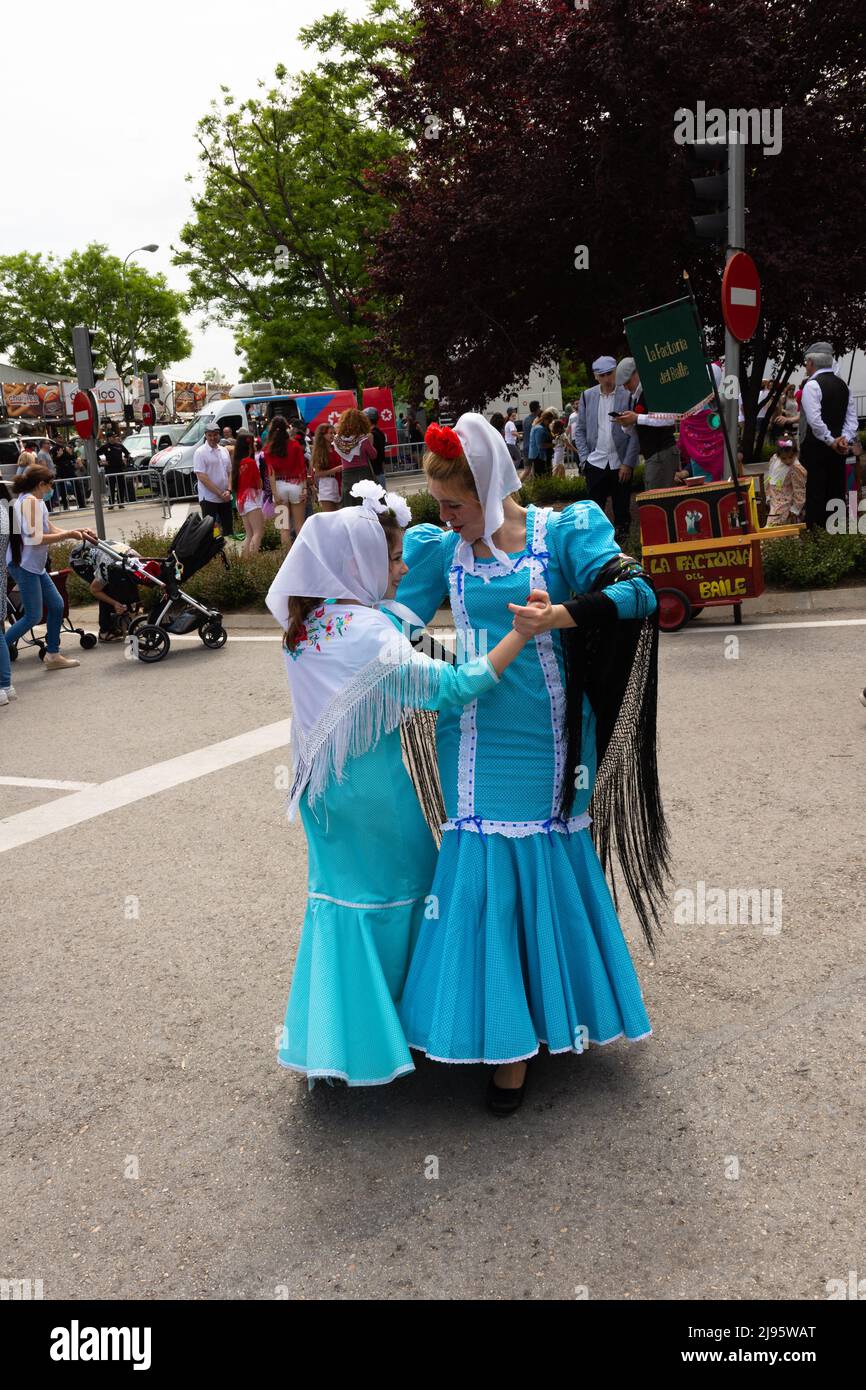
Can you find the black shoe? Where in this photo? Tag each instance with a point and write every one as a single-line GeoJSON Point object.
{"type": "Point", "coordinates": [504, 1100]}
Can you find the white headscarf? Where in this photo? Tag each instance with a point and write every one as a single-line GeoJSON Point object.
{"type": "Point", "coordinates": [353, 675]}
{"type": "Point", "coordinates": [495, 479]}
{"type": "Point", "coordinates": [342, 554]}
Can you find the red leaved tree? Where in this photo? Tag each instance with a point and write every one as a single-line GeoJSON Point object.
{"type": "Point", "coordinates": [538, 129]}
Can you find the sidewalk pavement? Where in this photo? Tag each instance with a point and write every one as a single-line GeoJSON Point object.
{"type": "Point", "coordinates": [770, 603]}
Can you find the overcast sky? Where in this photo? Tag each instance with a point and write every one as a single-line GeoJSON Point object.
{"type": "Point", "coordinates": [102, 109]}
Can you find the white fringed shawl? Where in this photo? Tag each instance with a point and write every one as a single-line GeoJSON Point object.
{"type": "Point", "coordinates": [353, 679]}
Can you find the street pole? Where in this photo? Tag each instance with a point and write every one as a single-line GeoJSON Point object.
{"type": "Point", "coordinates": [736, 242]}
{"type": "Point", "coordinates": [83, 352]}
{"type": "Point", "coordinates": [150, 247]}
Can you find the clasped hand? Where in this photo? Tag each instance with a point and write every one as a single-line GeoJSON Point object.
{"type": "Point", "coordinates": [535, 617]}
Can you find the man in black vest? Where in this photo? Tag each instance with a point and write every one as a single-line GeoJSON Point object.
{"type": "Point", "coordinates": [831, 425]}
{"type": "Point", "coordinates": [656, 438]}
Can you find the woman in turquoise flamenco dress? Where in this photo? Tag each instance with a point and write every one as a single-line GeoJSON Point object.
{"type": "Point", "coordinates": [524, 947]}
{"type": "Point", "coordinates": [354, 680]}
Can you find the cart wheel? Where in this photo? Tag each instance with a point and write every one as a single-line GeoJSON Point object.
{"type": "Point", "coordinates": [41, 653]}
{"type": "Point", "coordinates": [697, 610]}
{"type": "Point", "coordinates": [213, 635]}
{"type": "Point", "coordinates": [88, 641]}
{"type": "Point", "coordinates": [136, 623]}
{"type": "Point", "coordinates": [738, 614]}
{"type": "Point", "coordinates": [152, 642]}
{"type": "Point", "coordinates": [674, 610]}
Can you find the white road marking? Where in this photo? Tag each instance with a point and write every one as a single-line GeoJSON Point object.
{"type": "Point", "coordinates": [46, 783]}
{"type": "Point", "coordinates": [745, 628]}
{"type": "Point", "coordinates": [102, 797]}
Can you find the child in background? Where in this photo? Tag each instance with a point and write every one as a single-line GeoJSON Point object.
{"type": "Point", "coordinates": [785, 484]}
{"type": "Point", "coordinates": [561, 447]}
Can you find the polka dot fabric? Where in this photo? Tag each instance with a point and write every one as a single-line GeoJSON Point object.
{"type": "Point", "coordinates": [526, 948]}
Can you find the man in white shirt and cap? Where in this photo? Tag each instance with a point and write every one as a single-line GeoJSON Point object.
{"type": "Point", "coordinates": [607, 451]}
{"type": "Point", "coordinates": [213, 470]}
{"type": "Point", "coordinates": [830, 427]}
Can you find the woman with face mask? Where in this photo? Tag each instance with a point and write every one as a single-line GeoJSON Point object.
{"type": "Point", "coordinates": [27, 559]}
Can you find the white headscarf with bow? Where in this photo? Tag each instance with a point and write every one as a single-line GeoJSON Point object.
{"type": "Point", "coordinates": [342, 554]}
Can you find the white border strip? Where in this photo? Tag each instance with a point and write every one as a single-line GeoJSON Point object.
{"type": "Point", "coordinates": [41, 782]}
{"type": "Point", "coordinates": [745, 628]}
{"type": "Point", "coordinates": [96, 800]}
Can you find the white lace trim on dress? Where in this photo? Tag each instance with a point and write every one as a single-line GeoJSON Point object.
{"type": "Point", "coordinates": [547, 658]}
{"type": "Point", "coordinates": [366, 907]}
{"type": "Point", "coordinates": [469, 713]}
{"type": "Point", "coordinates": [519, 829]}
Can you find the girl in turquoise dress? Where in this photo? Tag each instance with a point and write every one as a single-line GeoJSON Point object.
{"type": "Point", "coordinates": [354, 679]}
{"type": "Point", "coordinates": [524, 947]}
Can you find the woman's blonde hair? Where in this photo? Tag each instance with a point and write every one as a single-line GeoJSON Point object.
{"type": "Point", "coordinates": [454, 470]}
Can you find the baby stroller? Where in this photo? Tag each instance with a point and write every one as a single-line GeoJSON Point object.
{"type": "Point", "coordinates": [173, 611]}
{"type": "Point", "coordinates": [15, 610]}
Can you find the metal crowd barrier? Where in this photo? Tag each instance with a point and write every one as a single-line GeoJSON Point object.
{"type": "Point", "coordinates": [117, 489]}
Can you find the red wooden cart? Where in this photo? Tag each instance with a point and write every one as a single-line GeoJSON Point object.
{"type": "Point", "coordinates": [697, 553]}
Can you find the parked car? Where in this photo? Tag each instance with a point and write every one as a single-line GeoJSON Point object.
{"type": "Point", "coordinates": [164, 436]}
{"type": "Point", "coordinates": [11, 447]}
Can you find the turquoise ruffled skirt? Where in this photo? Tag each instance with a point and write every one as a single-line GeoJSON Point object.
{"type": "Point", "coordinates": [526, 949]}
{"type": "Point", "coordinates": [371, 862]}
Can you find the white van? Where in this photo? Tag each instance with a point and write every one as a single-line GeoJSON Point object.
{"type": "Point", "coordinates": [249, 406]}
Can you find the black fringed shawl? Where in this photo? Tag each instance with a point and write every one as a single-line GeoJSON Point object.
{"type": "Point", "coordinates": [418, 738]}
{"type": "Point", "coordinates": [614, 661]}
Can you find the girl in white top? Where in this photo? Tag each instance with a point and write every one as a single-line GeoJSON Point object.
{"type": "Point", "coordinates": [7, 689]}
{"type": "Point", "coordinates": [26, 559]}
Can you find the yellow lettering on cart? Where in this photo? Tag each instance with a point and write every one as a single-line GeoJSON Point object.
{"type": "Point", "coordinates": [723, 588]}
{"type": "Point", "coordinates": [715, 559]}
{"type": "Point", "coordinates": [658, 565]}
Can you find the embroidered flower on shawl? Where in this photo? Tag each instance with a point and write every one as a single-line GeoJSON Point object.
{"type": "Point", "coordinates": [320, 628]}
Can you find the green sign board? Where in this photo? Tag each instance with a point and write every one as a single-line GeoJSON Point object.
{"type": "Point", "coordinates": [666, 345]}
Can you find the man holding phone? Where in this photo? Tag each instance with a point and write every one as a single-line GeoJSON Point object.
{"type": "Point", "coordinates": [656, 438]}
{"type": "Point", "coordinates": [608, 452]}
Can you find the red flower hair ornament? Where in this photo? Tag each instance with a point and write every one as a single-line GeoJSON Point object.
{"type": "Point", "coordinates": [442, 440]}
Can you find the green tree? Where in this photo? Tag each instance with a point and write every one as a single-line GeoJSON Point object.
{"type": "Point", "coordinates": [287, 213]}
{"type": "Point", "coordinates": [43, 298]}
{"type": "Point", "coordinates": [573, 377]}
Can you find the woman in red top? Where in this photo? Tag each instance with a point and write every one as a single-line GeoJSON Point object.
{"type": "Point", "coordinates": [247, 488]}
{"type": "Point", "coordinates": [327, 467]}
{"type": "Point", "coordinates": [287, 472]}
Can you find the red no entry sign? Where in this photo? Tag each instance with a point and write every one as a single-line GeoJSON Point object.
{"type": "Point", "coordinates": [84, 414]}
{"type": "Point", "coordinates": [147, 413]}
{"type": "Point", "coordinates": [741, 296]}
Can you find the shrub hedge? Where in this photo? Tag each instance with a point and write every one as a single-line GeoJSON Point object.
{"type": "Point", "coordinates": [811, 561]}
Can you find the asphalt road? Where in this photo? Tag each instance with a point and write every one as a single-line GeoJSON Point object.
{"type": "Point", "coordinates": [152, 1148]}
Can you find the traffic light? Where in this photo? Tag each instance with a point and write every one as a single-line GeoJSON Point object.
{"type": "Point", "coordinates": [85, 358]}
{"type": "Point", "coordinates": [151, 387]}
{"type": "Point", "coordinates": [710, 188]}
